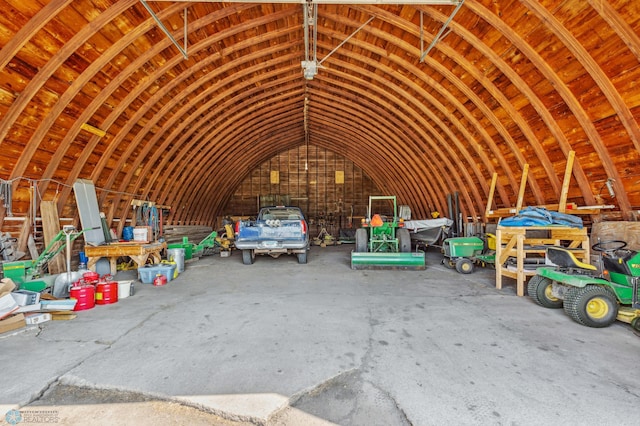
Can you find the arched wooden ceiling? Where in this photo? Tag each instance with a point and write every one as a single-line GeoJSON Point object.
{"type": "Point", "coordinates": [514, 82]}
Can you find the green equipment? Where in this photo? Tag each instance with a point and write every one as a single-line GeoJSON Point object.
{"type": "Point", "coordinates": [206, 246]}
{"type": "Point", "coordinates": [591, 298]}
{"type": "Point", "coordinates": [462, 253]}
{"type": "Point", "coordinates": [30, 274]}
{"type": "Point", "coordinates": [191, 250]}
{"type": "Point", "coordinates": [384, 243]}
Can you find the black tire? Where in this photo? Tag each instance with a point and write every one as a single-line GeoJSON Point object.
{"type": "Point", "coordinates": [361, 240]}
{"type": "Point", "coordinates": [404, 240]}
{"type": "Point", "coordinates": [464, 266]}
{"type": "Point", "coordinates": [302, 258]}
{"type": "Point", "coordinates": [248, 257]}
{"type": "Point", "coordinates": [592, 305]}
{"type": "Point", "coordinates": [539, 289]}
{"type": "Point", "coordinates": [448, 263]}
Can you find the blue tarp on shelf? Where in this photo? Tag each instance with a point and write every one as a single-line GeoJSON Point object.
{"type": "Point", "coordinates": [538, 216]}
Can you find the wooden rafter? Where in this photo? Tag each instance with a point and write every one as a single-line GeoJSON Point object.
{"type": "Point", "coordinates": [486, 102]}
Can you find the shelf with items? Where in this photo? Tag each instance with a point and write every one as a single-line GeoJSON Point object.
{"type": "Point", "coordinates": [519, 242]}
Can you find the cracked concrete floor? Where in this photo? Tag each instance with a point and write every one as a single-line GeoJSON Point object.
{"type": "Point", "coordinates": [277, 343]}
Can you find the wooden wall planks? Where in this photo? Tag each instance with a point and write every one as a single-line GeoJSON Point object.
{"type": "Point", "coordinates": [314, 190]}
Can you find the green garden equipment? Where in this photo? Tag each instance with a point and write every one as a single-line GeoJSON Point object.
{"type": "Point", "coordinates": [30, 274]}
{"type": "Point", "coordinates": [589, 297]}
{"type": "Point", "coordinates": [191, 250]}
{"type": "Point", "coordinates": [462, 253]}
{"type": "Point", "coordinates": [384, 243]}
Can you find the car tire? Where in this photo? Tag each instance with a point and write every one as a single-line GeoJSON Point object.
{"type": "Point", "coordinates": [248, 256]}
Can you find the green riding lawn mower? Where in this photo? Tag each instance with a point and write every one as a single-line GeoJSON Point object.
{"type": "Point", "coordinates": [463, 253]}
{"type": "Point", "coordinates": [590, 297]}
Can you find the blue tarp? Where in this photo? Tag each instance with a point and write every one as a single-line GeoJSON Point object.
{"type": "Point", "coordinates": [538, 216]}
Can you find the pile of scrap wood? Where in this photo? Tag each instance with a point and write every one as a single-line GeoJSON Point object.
{"type": "Point", "coordinates": [176, 233]}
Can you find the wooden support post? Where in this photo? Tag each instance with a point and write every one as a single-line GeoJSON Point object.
{"type": "Point", "coordinates": [50, 228]}
{"type": "Point", "coordinates": [562, 206]}
{"type": "Point", "coordinates": [25, 233]}
{"type": "Point", "coordinates": [492, 190]}
{"type": "Point", "coordinates": [513, 242]}
{"type": "Point", "coordinates": [523, 185]}
{"type": "Point", "coordinates": [3, 212]}
{"type": "Point", "coordinates": [33, 249]}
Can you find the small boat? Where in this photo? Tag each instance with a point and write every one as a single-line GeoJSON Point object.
{"type": "Point", "coordinates": [428, 232]}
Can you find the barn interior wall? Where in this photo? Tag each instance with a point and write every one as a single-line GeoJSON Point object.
{"type": "Point", "coordinates": [307, 177]}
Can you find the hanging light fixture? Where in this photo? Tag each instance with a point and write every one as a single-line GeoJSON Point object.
{"type": "Point", "coordinates": [310, 63]}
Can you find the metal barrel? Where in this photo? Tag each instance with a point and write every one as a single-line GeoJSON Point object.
{"type": "Point", "coordinates": [413, 260]}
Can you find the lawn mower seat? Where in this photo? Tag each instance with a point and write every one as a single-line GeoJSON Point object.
{"type": "Point", "coordinates": [566, 259]}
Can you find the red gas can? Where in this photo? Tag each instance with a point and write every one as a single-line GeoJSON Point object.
{"type": "Point", "coordinates": [84, 295]}
{"type": "Point", "coordinates": [160, 279]}
{"type": "Point", "coordinates": [106, 292]}
{"type": "Point", "coordinates": [91, 277]}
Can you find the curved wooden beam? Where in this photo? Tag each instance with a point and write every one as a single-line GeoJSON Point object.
{"type": "Point", "coordinates": [535, 101]}
{"type": "Point", "coordinates": [163, 114]}
{"type": "Point", "coordinates": [608, 90]}
{"type": "Point", "coordinates": [27, 32]}
{"type": "Point", "coordinates": [47, 71]}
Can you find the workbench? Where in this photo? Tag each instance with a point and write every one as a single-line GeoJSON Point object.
{"type": "Point", "coordinates": [513, 241]}
{"type": "Point", "coordinates": [140, 253]}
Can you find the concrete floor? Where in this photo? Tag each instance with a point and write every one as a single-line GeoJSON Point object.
{"type": "Point", "coordinates": [278, 343]}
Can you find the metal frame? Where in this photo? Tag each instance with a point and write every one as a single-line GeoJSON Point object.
{"type": "Point", "coordinates": [166, 31]}
{"type": "Point", "coordinates": [310, 10]}
{"type": "Point", "coordinates": [440, 35]}
{"type": "Point", "coordinates": [310, 65]}
{"type": "Point", "coordinates": [424, 2]}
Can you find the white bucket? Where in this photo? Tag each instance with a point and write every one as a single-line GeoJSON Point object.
{"type": "Point", "coordinates": [124, 289]}
{"type": "Point", "coordinates": [177, 255]}
{"type": "Point", "coordinates": [140, 234]}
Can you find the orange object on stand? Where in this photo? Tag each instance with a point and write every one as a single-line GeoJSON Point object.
{"type": "Point", "coordinates": [376, 220]}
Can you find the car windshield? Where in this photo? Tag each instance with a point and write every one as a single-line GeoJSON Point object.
{"type": "Point", "coordinates": [282, 214]}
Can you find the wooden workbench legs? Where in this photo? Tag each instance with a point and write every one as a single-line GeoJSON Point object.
{"type": "Point", "coordinates": [520, 277]}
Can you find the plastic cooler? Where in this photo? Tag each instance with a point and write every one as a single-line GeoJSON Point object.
{"type": "Point", "coordinates": [148, 272]}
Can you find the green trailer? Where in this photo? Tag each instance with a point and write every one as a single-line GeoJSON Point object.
{"type": "Point", "coordinates": [383, 242]}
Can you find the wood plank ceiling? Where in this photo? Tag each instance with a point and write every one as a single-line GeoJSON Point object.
{"type": "Point", "coordinates": [514, 82]}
